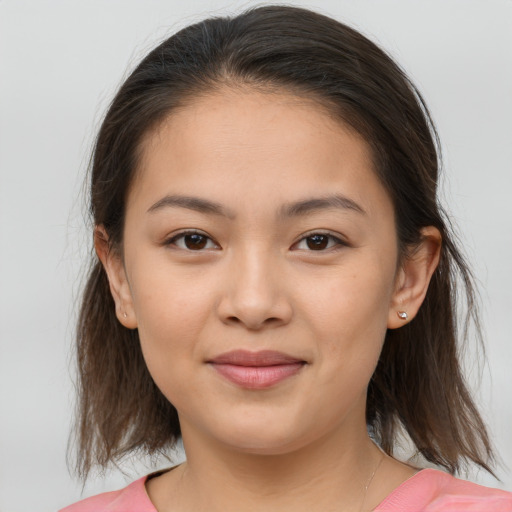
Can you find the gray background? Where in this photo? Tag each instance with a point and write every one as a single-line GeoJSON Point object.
{"type": "Point", "coordinates": [60, 63]}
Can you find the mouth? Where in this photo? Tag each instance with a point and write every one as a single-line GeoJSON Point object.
{"type": "Point", "coordinates": [256, 370]}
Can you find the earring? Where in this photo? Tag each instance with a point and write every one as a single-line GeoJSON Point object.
{"type": "Point", "coordinates": [124, 314]}
{"type": "Point", "coordinates": [402, 315]}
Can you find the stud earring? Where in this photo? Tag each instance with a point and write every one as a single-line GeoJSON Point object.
{"type": "Point", "coordinates": [124, 314]}
{"type": "Point", "coordinates": [402, 315]}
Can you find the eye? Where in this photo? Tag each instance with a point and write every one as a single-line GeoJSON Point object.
{"type": "Point", "coordinates": [192, 241]}
{"type": "Point", "coordinates": [318, 242]}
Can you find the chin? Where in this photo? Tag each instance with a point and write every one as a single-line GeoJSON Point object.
{"type": "Point", "coordinates": [269, 437]}
{"type": "Point", "coordinates": [264, 446]}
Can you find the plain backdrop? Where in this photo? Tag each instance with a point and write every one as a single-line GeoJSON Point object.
{"type": "Point", "coordinates": [60, 64]}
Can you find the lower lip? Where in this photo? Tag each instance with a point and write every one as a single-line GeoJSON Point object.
{"type": "Point", "coordinates": [257, 377]}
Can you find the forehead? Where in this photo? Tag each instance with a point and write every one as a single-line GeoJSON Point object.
{"type": "Point", "coordinates": [249, 118]}
{"type": "Point", "coordinates": [233, 138]}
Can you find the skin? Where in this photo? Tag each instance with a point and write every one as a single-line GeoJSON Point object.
{"type": "Point", "coordinates": [256, 284]}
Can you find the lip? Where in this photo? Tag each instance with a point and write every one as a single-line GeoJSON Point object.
{"type": "Point", "coordinates": [256, 370]}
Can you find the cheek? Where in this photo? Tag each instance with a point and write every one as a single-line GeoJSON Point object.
{"type": "Point", "coordinates": [172, 309]}
{"type": "Point", "coordinates": [167, 297]}
{"type": "Point", "coordinates": [350, 313]}
{"type": "Point", "coordinates": [350, 325]}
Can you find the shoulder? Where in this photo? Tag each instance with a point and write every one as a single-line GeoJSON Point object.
{"type": "Point", "coordinates": [130, 499]}
{"type": "Point", "coordinates": [431, 490]}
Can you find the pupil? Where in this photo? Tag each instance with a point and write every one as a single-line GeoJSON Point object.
{"type": "Point", "coordinates": [195, 241]}
{"type": "Point", "coordinates": [316, 242]}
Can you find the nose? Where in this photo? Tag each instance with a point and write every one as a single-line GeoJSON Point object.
{"type": "Point", "coordinates": [254, 292]}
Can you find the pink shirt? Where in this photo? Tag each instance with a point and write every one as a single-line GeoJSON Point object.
{"type": "Point", "coordinates": [429, 490]}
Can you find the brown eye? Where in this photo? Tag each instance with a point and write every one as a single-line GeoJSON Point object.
{"type": "Point", "coordinates": [192, 241]}
{"type": "Point", "coordinates": [317, 242]}
{"type": "Point", "coordinates": [195, 241]}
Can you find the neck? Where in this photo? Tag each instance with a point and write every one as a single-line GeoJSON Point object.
{"type": "Point", "coordinates": [321, 476]}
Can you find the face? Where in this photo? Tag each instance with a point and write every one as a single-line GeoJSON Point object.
{"type": "Point", "coordinates": [260, 268]}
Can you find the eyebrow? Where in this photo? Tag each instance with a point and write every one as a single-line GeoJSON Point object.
{"type": "Point", "coordinates": [191, 203]}
{"type": "Point", "coordinates": [318, 204]}
{"type": "Point", "coordinates": [295, 209]}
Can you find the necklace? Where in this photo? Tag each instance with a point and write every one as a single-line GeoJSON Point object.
{"type": "Point", "coordinates": [368, 483]}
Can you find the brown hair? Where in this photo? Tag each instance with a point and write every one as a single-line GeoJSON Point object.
{"type": "Point", "coordinates": [417, 385]}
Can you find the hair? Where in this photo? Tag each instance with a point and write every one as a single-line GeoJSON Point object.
{"type": "Point", "coordinates": [418, 387]}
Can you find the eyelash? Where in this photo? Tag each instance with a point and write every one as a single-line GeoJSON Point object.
{"type": "Point", "coordinates": [331, 238]}
{"type": "Point", "coordinates": [183, 234]}
{"type": "Point", "coordinates": [338, 242]}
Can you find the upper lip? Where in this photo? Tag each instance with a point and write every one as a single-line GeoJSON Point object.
{"type": "Point", "coordinates": [260, 358]}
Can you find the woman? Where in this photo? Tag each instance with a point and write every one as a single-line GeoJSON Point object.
{"type": "Point", "coordinates": [275, 280]}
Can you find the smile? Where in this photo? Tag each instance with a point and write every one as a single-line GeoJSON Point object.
{"type": "Point", "coordinates": [256, 370]}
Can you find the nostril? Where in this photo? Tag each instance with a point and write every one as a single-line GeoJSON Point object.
{"type": "Point", "coordinates": [254, 325]}
{"type": "Point", "coordinates": [254, 311]}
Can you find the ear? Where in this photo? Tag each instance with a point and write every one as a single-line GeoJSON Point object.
{"type": "Point", "coordinates": [119, 286]}
{"type": "Point", "coordinates": [413, 278]}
